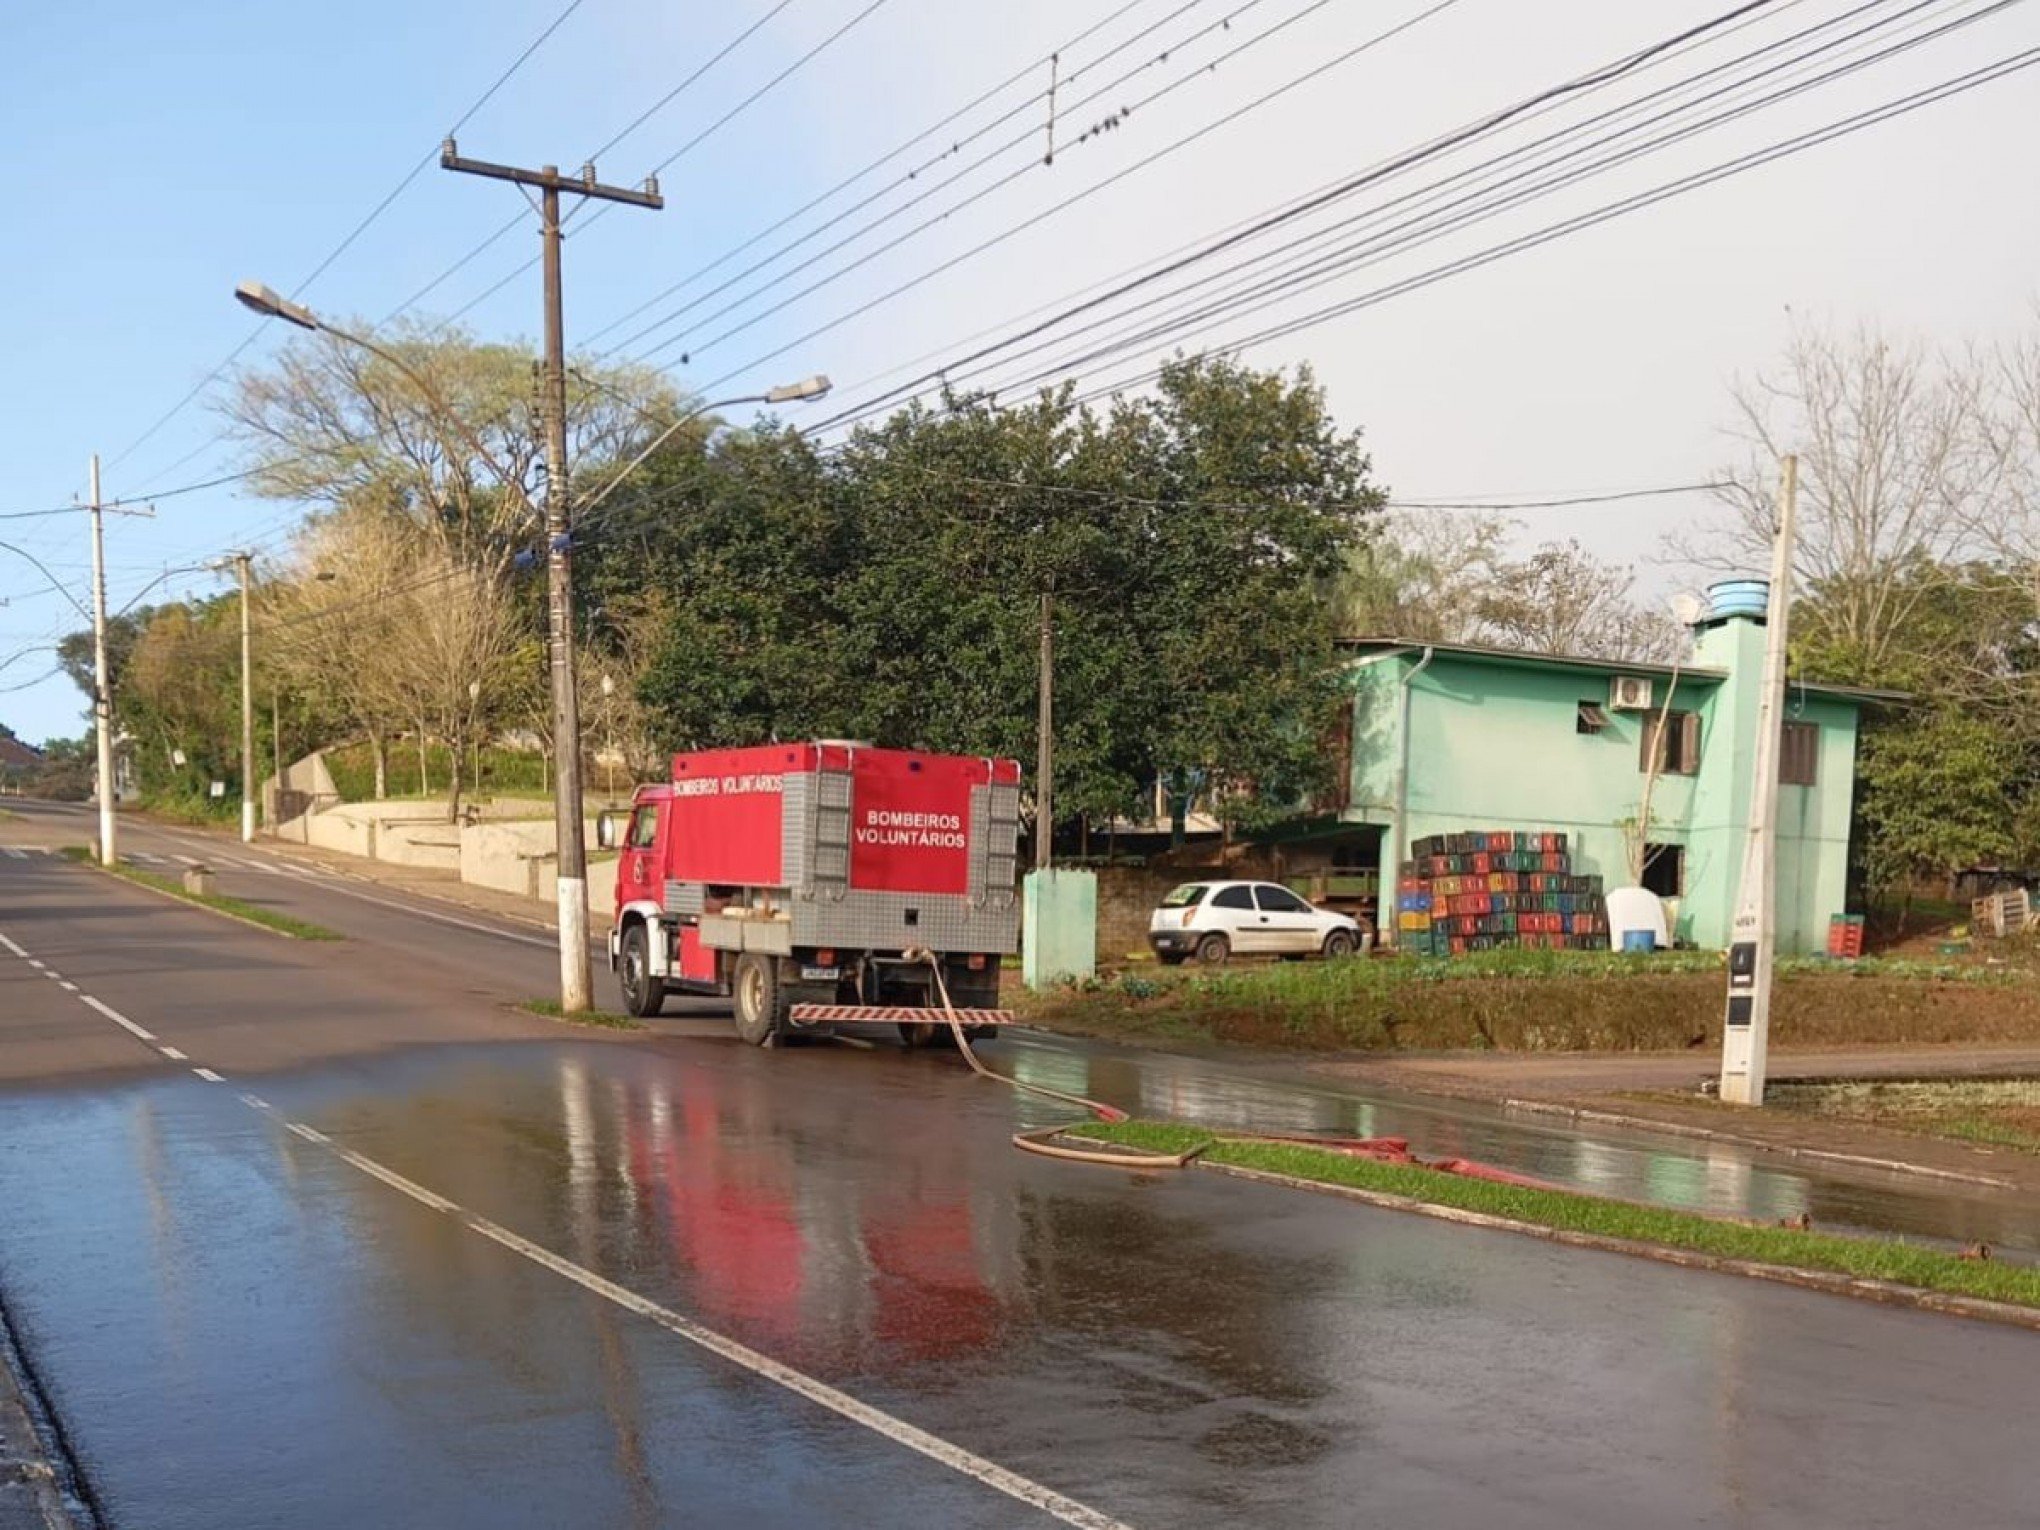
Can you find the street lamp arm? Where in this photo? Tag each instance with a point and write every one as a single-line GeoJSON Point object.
{"type": "Point", "coordinates": [262, 300]}
{"type": "Point", "coordinates": [21, 552]}
{"type": "Point", "coordinates": [813, 387]}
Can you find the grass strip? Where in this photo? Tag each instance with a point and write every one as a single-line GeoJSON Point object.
{"type": "Point", "coordinates": [602, 1019]}
{"type": "Point", "coordinates": [1787, 1247]}
{"type": "Point", "coordinates": [219, 903]}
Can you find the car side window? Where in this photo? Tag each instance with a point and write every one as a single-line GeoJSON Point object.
{"type": "Point", "coordinates": [1232, 897]}
{"type": "Point", "coordinates": [644, 828]}
{"type": "Point", "coordinates": [1280, 900]}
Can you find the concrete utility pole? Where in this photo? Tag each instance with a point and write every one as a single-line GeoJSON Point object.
{"type": "Point", "coordinates": [102, 690]}
{"type": "Point", "coordinates": [1044, 759]}
{"type": "Point", "coordinates": [1753, 938]}
{"type": "Point", "coordinates": [575, 989]}
{"type": "Point", "coordinates": [241, 561]}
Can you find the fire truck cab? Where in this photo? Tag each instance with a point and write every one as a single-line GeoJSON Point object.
{"type": "Point", "coordinates": [817, 885]}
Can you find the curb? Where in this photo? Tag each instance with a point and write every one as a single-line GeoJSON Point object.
{"type": "Point", "coordinates": [1784, 1149]}
{"type": "Point", "coordinates": [1861, 1288]}
{"type": "Point", "coordinates": [35, 1492]}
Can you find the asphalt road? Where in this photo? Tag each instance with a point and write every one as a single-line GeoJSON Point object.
{"type": "Point", "coordinates": [340, 1239]}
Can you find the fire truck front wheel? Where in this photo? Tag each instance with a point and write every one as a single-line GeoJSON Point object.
{"type": "Point", "coordinates": [643, 994]}
{"type": "Point", "coordinates": [761, 999]}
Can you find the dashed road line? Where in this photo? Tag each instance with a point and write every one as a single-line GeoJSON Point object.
{"type": "Point", "coordinates": [117, 1017]}
{"type": "Point", "coordinates": [208, 1075]}
{"type": "Point", "coordinates": [173, 1054]}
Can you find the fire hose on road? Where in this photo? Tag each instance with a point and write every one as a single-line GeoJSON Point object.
{"type": "Point", "coordinates": [1395, 1150]}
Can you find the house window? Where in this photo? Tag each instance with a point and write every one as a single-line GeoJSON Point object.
{"type": "Point", "coordinates": [1671, 744]}
{"type": "Point", "coordinates": [1591, 719]}
{"type": "Point", "coordinates": [1664, 870]}
{"type": "Point", "coordinates": [1798, 753]}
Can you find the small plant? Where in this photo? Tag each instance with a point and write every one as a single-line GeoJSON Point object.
{"type": "Point", "coordinates": [1133, 986]}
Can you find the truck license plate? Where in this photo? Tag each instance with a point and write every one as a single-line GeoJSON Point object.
{"type": "Point", "coordinates": [817, 974]}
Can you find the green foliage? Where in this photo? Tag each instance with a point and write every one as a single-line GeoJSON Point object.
{"type": "Point", "coordinates": [893, 592]}
{"type": "Point", "coordinates": [1788, 1247]}
{"type": "Point", "coordinates": [1939, 791]}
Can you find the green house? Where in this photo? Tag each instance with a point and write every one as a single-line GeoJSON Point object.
{"type": "Point", "coordinates": [1450, 738]}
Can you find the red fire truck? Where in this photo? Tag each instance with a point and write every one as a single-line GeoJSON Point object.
{"type": "Point", "coordinates": [805, 881]}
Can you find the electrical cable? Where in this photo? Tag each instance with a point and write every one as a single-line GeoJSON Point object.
{"type": "Point", "coordinates": [1109, 88]}
{"type": "Point", "coordinates": [318, 270]}
{"type": "Point", "coordinates": [1369, 251]}
{"type": "Point", "coordinates": [975, 250]}
{"type": "Point", "coordinates": [956, 146]}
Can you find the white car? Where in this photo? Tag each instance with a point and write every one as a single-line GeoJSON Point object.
{"type": "Point", "coordinates": [1213, 921]}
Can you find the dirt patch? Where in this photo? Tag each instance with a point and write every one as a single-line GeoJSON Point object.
{"type": "Point", "coordinates": [2001, 1113]}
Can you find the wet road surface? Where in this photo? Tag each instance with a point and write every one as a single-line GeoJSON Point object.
{"type": "Point", "coordinates": [240, 1326]}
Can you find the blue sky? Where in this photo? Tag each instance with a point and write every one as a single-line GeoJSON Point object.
{"type": "Point", "coordinates": [158, 154]}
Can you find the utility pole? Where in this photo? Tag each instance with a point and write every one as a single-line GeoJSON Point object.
{"type": "Point", "coordinates": [1753, 938]}
{"type": "Point", "coordinates": [241, 561]}
{"type": "Point", "coordinates": [102, 687]}
{"type": "Point", "coordinates": [575, 989]}
{"type": "Point", "coordinates": [1044, 762]}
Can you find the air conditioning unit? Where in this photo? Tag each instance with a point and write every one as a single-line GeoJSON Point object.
{"type": "Point", "coordinates": [1629, 693]}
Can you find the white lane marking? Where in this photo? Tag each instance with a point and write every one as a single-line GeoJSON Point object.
{"type": "Point", "coordinates": [186, 859]}
{"type": "Point", "coordinates": [67, 984]}
{"type": "Point", "coordinates": [208, 1075]}
{"type": "Point", "coordinates": [117, 1017]}
{"type": "Point", "coordinates": [173, 1054]}
{"type": "Point", "coordinates": [39, 966]}
{"type": "Point", "coordinates": [10, 945]}
{"type": "Point", "coordinates": [898, 1430]}
{"type": "Point", "coordinates": [19, 855]}
{"type": "Point", "coordinates": [255, 1102]}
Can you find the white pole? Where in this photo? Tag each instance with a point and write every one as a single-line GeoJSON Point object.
{"type": "Point", "coordinates": [1753, 938]}
{"type": "Point", "coordinates": [102, 698]}
{"type": "Point", "coordinates": [247, 714]}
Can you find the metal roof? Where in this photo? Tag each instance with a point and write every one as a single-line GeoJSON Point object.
{"type": "Point", "coordinates": [1687, 673]}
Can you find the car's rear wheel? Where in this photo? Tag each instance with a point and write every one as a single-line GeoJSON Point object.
{"type": "Point", "coordinates": [1213, 950]}
{"type": "Point", "coordinates": [1340, 943]}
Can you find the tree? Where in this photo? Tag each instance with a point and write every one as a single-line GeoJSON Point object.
{"type": "Point", "coordinates": [892, 591]}
{"type": "Point", "coordinates": [1450, 578]}
{"type": "Point", "coordinates": [335, 425]}
{"type": "Point", "coordinates": [1888, 483]}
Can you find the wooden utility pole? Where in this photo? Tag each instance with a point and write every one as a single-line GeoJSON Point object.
{"type": "Point", "coordinates": [1044, 760]}
{"type": "Point", "coordinates": [575, 989]}
{"type": "Point", "coordinates": [1753, 938]}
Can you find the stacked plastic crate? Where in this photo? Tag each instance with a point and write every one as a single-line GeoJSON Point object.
{"type": "Point", "coordinates": [1480, 891]}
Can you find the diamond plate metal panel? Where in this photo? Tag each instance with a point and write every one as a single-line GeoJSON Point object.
{"type": "Point", "coordinates": [796, 823]}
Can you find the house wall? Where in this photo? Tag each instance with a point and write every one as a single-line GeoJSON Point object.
{"type": "Point", "coordinates": [1495, 746]}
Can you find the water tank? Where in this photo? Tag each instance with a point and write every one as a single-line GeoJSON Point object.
{"type": "Point", "coordinates": [1738, 597]}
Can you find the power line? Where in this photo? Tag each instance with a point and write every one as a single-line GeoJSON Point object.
{"type": "Point", "coordinates": [234, 355]}
{"type": "Point", "coordinates": [1322, 269]}
{"type": "Point", "coordinates": [913, 175]}
{"type": "Point", "coordinates": [598, 214]}
{"type": "Point", "coordinates": [1324, 197]}
{"type": "Point", "coordinates": [1840, 128]}
{"type": "Point", "coordinates": [850, 180]}
{"type": "Point", "coordinates": [893, 243]}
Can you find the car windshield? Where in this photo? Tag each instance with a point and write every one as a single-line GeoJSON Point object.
{"type": "Point", "coordinates": [1184, 896]}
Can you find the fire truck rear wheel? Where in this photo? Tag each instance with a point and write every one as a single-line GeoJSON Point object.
{"type": "Point", "coordinates": [761, 1004]}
